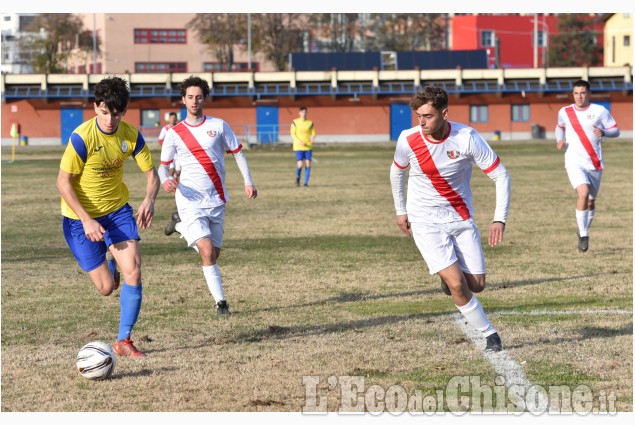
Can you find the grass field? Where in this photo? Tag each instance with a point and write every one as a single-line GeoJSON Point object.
{"type": "Point", "coordinates": [321, 283]}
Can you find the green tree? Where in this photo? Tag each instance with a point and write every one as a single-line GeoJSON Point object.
{"type": "Point", "coordinates": [52, 39]}
{"type": "Point", "coordinates": [221, 33]}
{"type": "Point", "coordinates": [576, 44]}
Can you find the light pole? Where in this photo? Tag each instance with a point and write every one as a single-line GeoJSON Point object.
{"type": "Point", "coordinates": [249, 41]}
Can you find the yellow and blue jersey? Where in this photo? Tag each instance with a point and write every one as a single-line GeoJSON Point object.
{"type": "Point", "coordinates": [97, 160]}
{"type": "Point", "coordinates": [302, 131]}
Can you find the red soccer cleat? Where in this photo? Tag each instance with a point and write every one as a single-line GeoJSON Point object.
{"type": "Point", "coordinates": [126, 348]}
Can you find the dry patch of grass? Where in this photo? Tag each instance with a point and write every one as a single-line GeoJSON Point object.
{"type": "Point", "coordinates": [320, 283]}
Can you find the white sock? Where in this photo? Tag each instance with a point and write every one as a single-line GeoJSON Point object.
{"type": "Point", "coordinates": [582, 218]}
{"type": "Point", "coordinates": [179, 227]}
{"type": "Point", "coordinates": [590, 216]}
{"type": "Point", "coordinates": [214, 283]}
{"type": "Point", "coordinates": [475, 316]}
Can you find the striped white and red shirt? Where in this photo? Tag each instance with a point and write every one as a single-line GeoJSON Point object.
{"type": "Point", "coordinates": [201, 151]}
{"type": "Point", "coordinates": [439, 182]}
{"type": "Point", "coordinates": [584, 149]}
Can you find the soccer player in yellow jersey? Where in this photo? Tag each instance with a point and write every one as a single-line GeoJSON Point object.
{"type": "Point", "coordinates": [303, 135]}
{"type": "Point", "coordinates": [96, 216]}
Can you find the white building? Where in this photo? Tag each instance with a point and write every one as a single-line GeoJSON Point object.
{"type": "Point", "coordinates": [13, 27]}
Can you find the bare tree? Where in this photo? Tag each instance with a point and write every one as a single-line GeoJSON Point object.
{"type": "Point", "coordinates": [221, 33]}
{"type": "Point", "coordinates": [339, 30]}
{"type": "Point", "coordinates": [407, 31]}
{"type": "Point", "coordinates": [277, 35]}
{"type": "Point", "coordinates": [51, 41]}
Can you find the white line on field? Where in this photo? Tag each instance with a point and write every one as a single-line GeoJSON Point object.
{"type": "Point", "coordinates": [546, 312]}
{"type": "Point", "coordinates": [503, 364]}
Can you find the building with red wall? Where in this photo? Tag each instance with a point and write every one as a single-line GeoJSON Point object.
{"type": "Point", "coordinates": [515, 36]}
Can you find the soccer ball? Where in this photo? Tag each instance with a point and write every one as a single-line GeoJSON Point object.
{"type": "Point", "coordinates": [96, 360]}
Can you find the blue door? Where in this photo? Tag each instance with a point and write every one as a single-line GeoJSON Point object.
{"type": "Point", "coordinates": [183, 114]}
{"type": "Point", "coordinates": [605, 103]}
{"type": "Point", "coordinates": [70, 119]}
{"type": "Point", "coordinates": [400, 119]}
{"type": "Point", "coordinates": [267, 124]}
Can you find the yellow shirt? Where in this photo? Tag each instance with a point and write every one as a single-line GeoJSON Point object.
{"type": "Point", "coordinates": [301, 131]}
{"type": "Point", "coordinates": [98, 159]}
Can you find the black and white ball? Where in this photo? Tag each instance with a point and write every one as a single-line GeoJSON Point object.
{"type": "Point", "coordinates": [96, 360]}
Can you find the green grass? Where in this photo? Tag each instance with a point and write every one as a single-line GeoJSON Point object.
{"type": "Point", "coordinates": [320, 282]}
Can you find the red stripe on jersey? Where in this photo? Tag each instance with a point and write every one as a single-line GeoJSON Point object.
{"type": "Point", "coordinates": [399, 166]}
{"type": "Point", "coordinates": [201, 156]}
{"type": "Point", "coordinates": [167, 162]}
{"type": "Point", "coordinates": [493, 166]}
{"type": "Point", "coordinates": [577, 127]}
{"type": "Point", "coordinates": [238, 149]}
{"type": "Point", "coordinates": [427, 165]}
{"type": "Point", "coordinates": [613, 126]}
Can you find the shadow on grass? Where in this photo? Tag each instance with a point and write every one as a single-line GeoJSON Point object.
{"type": "Point", "coordinates": [143, 372]}
{"type": "Point", "coordinates": [586, 333]}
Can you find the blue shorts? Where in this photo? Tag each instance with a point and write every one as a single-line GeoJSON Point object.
{"type": "Point", "coordinates": [120, 226]}
{"type": "Point", "coordinates": [300, 155]}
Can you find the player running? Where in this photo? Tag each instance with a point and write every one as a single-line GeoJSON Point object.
{"type": "Point", "coordinates": [580, 129]}
{"type": "Point", "coordinates": [201, 142]}
{"type": "Point", "coordinates": [175, 168]}
{"type": "Point", "coordinates": [97, 218]}
{"type": "Point", "coordinates": [438, 212]}
{"type": "Point", "coordinates": [303, 135]}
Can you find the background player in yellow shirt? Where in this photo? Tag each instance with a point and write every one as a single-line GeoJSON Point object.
{"type": "Point", "coordinates": [96, 216]}
{"type": "Point", "coordinates": [303, 135]}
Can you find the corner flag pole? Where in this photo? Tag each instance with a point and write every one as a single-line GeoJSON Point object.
{"type": "Point", "coordinates": [14, 139]}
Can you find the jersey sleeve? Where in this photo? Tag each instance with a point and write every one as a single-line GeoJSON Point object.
{"type": "Point", "coordinates": [561, 119]}
{"type": "Point", "coordinates": [312, 129]}
{"type": "Point", "coordinates": [142, 154]}
{"type": "Point", "coordinates": [482, 154]}
{"type": "Point", "coordinates": [168, 149]}
{"type": "Point", "coordinates": [232, 144]}
{"type": "Point", "coordinates": [401, 159]}
{"type": "Point", "coordinates": [607, 120]}
{"type": "Point", "coordinates": [75, 155]}
{"type": "Point", "coordinates": [162, 134]}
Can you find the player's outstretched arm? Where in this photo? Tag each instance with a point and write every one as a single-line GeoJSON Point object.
{"type": "Point", "coordinates": [146, 209]}
{"type": "Point", "coordinates": [503, 182]}
{"type": "Point", "coordinates": [243, 166]}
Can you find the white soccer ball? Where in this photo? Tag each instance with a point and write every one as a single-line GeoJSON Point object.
{"type": "Point", "coordinates": [96, 360]}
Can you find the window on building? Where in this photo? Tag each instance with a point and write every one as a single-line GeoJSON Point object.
{"type": "Point", "coordinates": [236, 67]}
{"type": "Point", "coordinates": [6, 18]}
{"type": "Point", "coordinates": [541, 38]}
{"type": "Point", "coordinates": [150, 118]}
{"type": "Point", "coordinates": [160, 36]}
{"type": "Point", "coordinates": [488, 39]}
{"type": "Point", "coordinates": [627, 40]}
{"type": "Point", "coordinates": [25, 22]}
{"type": "Point", "coordinates": [160, 67]}
{"type": "Point", "coordinates": [479, 113]}
{"type": "Point", "coordinates": [520, 113]}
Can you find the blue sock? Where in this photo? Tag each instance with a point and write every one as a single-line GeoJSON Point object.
{"type": "Point", "coordinates": [112, 266]}
{"type": "Point", "coordinates": [307, 173]}
{"type": "Point", "coordinates": [130, 302]}
{"type": "Point", "coordinates": [298, 171]}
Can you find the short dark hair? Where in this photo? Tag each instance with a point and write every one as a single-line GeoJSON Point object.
{"type": "Point", "coordinates": [193, 81]}
{"type": "Point", "coordinates": [582, 83]}
{"type": "Point", "coordinates": [430, 94]}
{"type": "Point", "coordinates": [302, 108]}
{"type": "Point", "coordinates": [172, 114]}
{"type": "Point", "coordinates": [114, 93]}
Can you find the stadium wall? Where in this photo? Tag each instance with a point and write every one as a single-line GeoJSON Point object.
{"type": "Point", "coordinates": [334, 123]}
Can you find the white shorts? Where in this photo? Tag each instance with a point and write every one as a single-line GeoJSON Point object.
{"type": "Point", "coordinates": [578, 176]}
{"type": "Point", "coordinates": [443, 244]}
{"type": "Point", "coordinates": [198, 223]}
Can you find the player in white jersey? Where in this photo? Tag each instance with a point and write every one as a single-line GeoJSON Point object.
{"type": "Point", "coordinates": [175, 167]}
{"type": "Point", "coordinates": [201, 142]}
{"type": "Point", "coordinates": [580, 129]}
{"type": "Point", "coordinates": [438, 212]}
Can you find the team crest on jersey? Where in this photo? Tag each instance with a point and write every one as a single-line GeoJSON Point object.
{"type": "Point", "coordinates": [124, 146]}
{"type": "Point", "coordinates": [453, 154]}
{"type": "Point", "coordinates": [212, 133]}
{"type": "Point", "coordinates": [590, 116]}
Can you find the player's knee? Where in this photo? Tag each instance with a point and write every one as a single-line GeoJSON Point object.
{"type": "Point", "coordinates": [106, 290]}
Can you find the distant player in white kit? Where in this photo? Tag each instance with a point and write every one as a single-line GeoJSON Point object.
{"type": "Point", "coordinates": [201, 142]}
{"type": "Point", "coordinates": [438, 212]}
{"type": "Point", "coordinates": [175, 168]}
{"type": "Point", "coordinates": [580, 129]}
